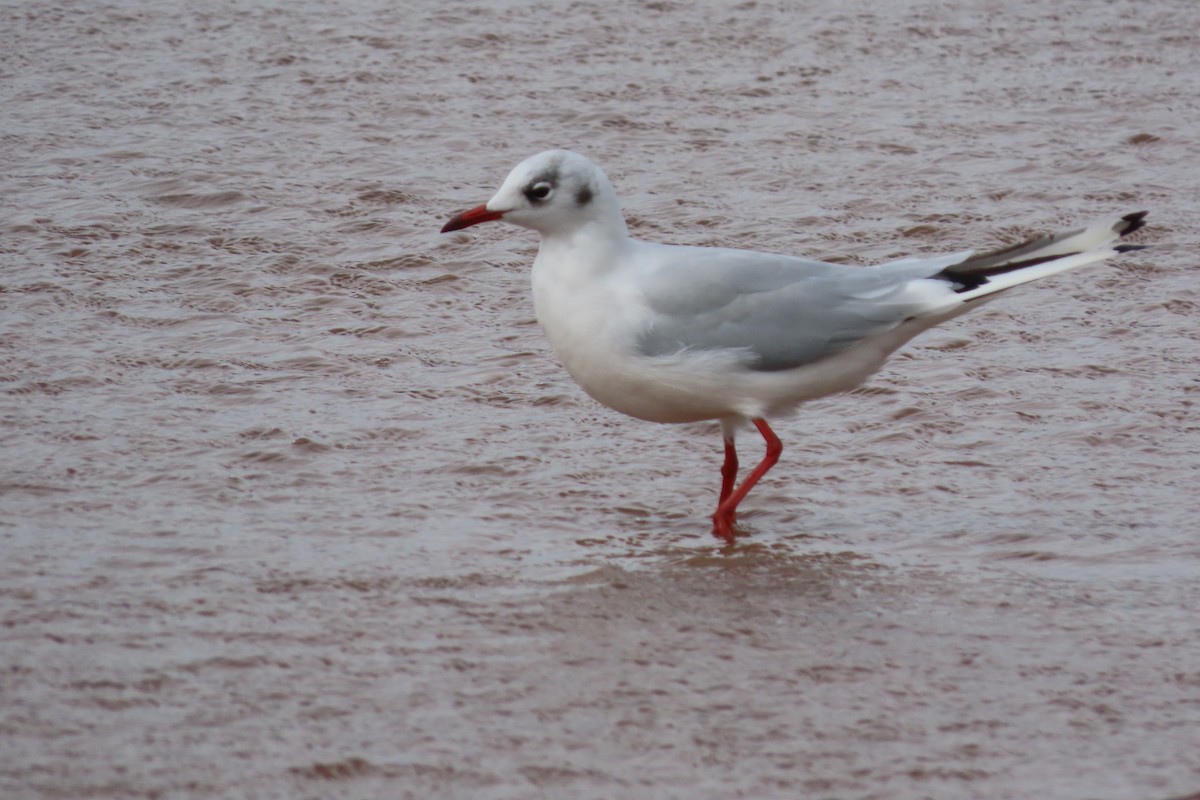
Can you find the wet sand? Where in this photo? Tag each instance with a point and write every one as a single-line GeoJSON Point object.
{"type": "Point", "coordinates": [295, 502]}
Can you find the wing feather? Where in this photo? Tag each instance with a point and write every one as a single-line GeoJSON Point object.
{"type": "Point", "coordinates": [779, 312]}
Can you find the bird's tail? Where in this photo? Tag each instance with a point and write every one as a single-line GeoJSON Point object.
{"type": "Point", "coordinates": [993, 272]}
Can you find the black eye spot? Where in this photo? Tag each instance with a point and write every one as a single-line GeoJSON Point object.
{"type": "Point", "coordinates": [538, 191]}
{"type": "Point", "coordinates": [584, 195]}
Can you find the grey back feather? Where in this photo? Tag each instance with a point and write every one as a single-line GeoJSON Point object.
{"type": "Point", "coordinates": [779, 312]}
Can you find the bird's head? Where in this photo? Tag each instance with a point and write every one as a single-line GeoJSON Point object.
{"type": "Point", "coordinates": [553, 192]}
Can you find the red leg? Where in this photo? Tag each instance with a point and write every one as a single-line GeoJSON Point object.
{"type": "Point", "coordinates": [726, 515]}
{"type": "Point", "coordinates": [728, 470]}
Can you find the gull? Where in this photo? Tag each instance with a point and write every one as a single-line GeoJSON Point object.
{"type": "Point", "coordinates": [674, 334]}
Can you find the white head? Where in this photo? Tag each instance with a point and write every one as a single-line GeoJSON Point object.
{"type": "Point", "coordinates": [555, 193]}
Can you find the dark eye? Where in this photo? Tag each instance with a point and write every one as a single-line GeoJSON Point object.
{"type": "Point", "coordinates": [539, 191]}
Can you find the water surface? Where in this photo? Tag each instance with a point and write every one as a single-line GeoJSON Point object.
{"type": "Point", "coordinates": [295, 502]}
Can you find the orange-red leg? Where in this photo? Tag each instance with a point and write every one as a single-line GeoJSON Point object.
{"type": "Point", "coordinates": [726, 514]}
{"type": "Point", "coordinates": [728, 470]}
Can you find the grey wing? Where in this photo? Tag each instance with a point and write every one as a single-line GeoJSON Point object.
{"type": "Point", "coordinates": [776, 312]}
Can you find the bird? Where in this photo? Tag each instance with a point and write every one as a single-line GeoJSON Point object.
{"type": "Point", "coordinates": [677, 334]}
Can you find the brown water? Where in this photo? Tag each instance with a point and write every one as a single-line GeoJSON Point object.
{"type": "Point", "coordinates": [294, 501]}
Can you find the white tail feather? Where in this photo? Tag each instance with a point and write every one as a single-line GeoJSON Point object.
{"type": "Point", "coordinates": [1007, 280]}
{"type": "Point", "coordinates": [990, 273]}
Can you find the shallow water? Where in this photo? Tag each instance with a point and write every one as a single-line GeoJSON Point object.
{"type": "Point", "coordinates": [295, 502]}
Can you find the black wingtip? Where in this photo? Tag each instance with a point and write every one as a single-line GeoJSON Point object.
{"type": "Point", "coordinates": [1129, 248]}
{"type": "Point", "coordinates": [1130, 223]}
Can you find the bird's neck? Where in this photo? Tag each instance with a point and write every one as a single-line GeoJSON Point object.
{"type": "Point", "coordinates": [591, 246]}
